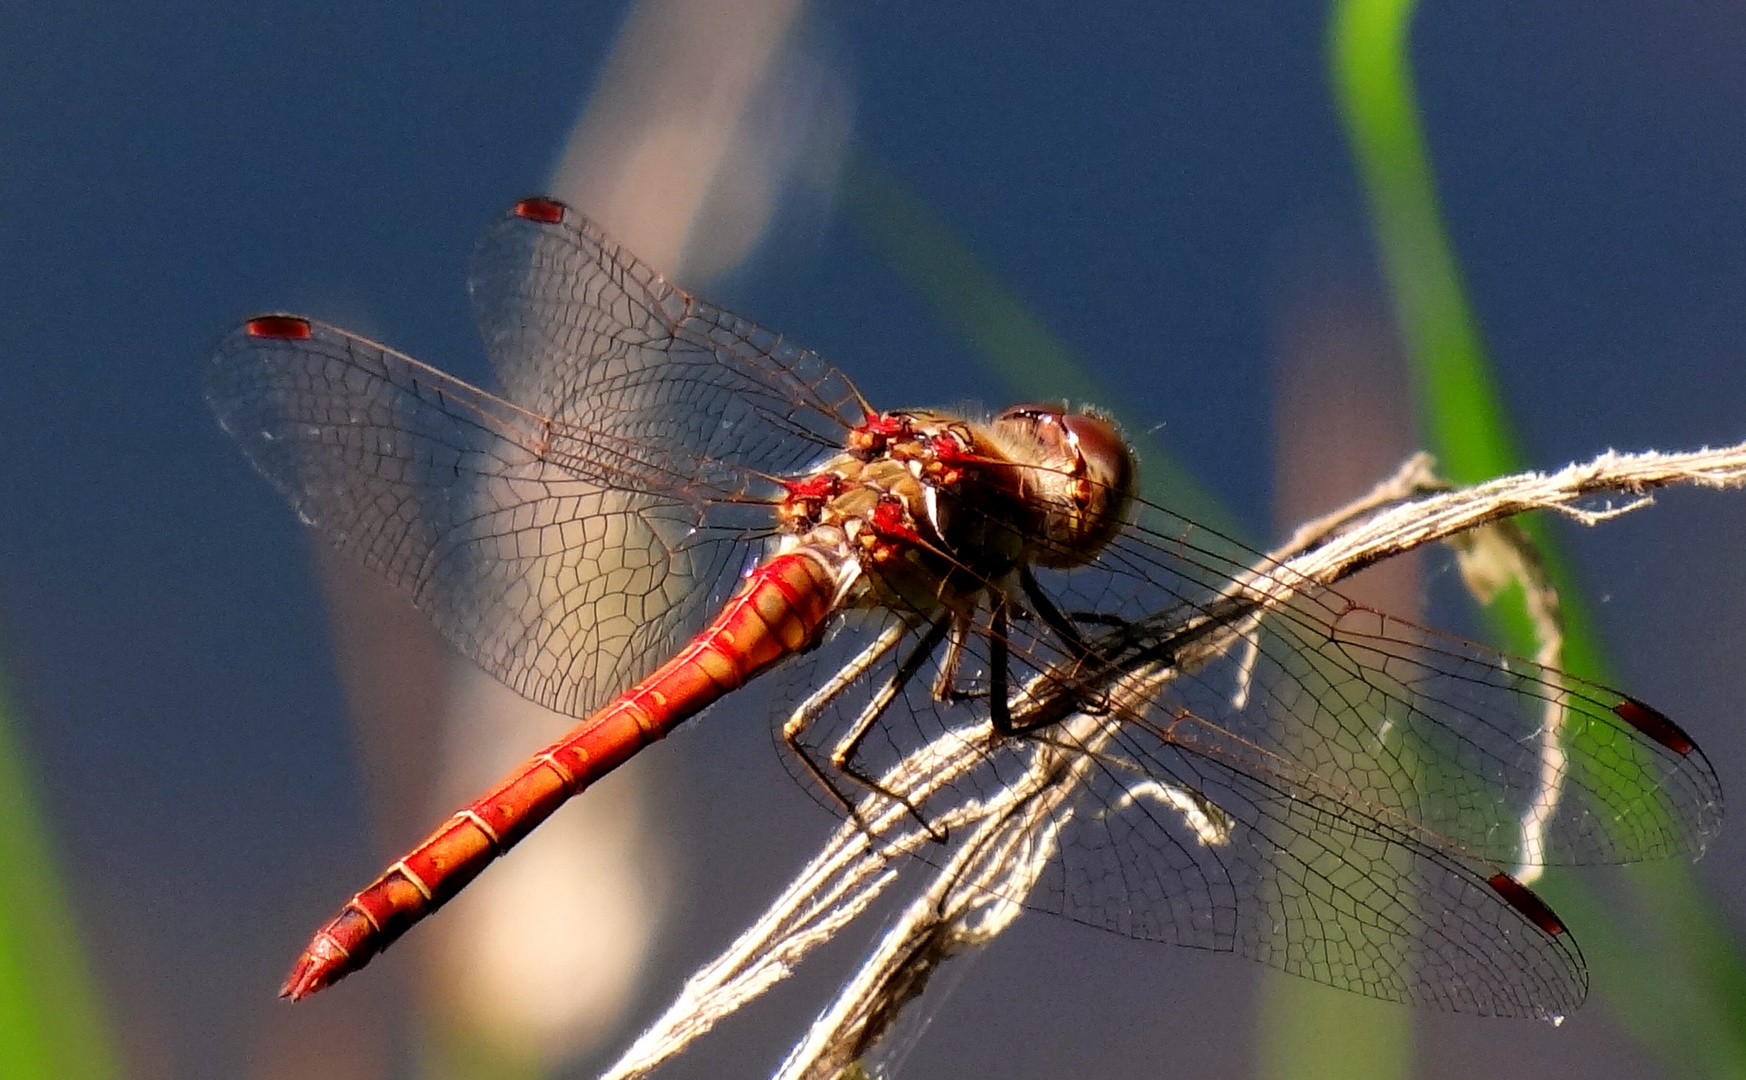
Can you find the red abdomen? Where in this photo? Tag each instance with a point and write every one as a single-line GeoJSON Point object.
{"type": "Point", "coordinates": [777, 613]}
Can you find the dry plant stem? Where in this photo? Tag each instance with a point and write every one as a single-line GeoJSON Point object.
{"type": "Point", "coordinates": [972, 897]}
{"type": "Point", "coordinates": [1491, 557]}
{"type": "Point", "coordinates": [838, 884]}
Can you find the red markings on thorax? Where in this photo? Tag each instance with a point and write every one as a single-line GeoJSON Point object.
{"type": "Point", "coordinates": [805, 502]}
{"type": "Point", "coordinates": [891, 528]}
{"type": "Point", "coordinates": [876, 433]}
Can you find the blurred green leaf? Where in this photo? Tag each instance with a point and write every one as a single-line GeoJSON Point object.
{"type": "Point", "coordinates": [1676, 975]}
{"type": "Point", "coordinates": [458, 1050]}
{"type": "Point", "coordinates": [1307, 1031]}
{"type": "Point", "coordinates": [51, 1022]}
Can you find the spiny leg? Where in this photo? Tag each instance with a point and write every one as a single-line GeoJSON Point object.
{"type": "Point", "coordinates": [1059, 691]}
{"type": "Point", "coordinates": [842, 758]}
{"type": "Point", "coordinates": [999, 707]}
{"type": "Point", "coordinates": [1057, 697]}
{"type": "Point", "coordinates": [944, 688]}
{"type": "Point", "coordinates": [999, 660]}
{"type": "Point", "coordinates": [1079, 653]}
{"type": "Point", "coordinates": [808, 711]}
{"type": "Point", "coordinates": [1000, 669]}
{"type": "Point", "coordinates": [1049, 613]}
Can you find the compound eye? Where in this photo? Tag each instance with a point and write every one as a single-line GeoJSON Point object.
{"type": "Point", "coordinates": [1108, 460]}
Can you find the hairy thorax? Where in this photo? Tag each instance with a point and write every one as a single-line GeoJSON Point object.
{"type": "Point", "coordinates": [938, 509]}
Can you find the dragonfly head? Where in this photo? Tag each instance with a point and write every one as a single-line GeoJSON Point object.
{"type": "Point", "coordinates": [1082, 477]}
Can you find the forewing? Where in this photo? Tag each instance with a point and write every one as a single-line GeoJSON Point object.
{"type": "Point", "coordinates": [564, 562]}
{"type": "Point", "coordinates": [1497, 757]}
{"type": "Point", "coordinates": [581, 330]}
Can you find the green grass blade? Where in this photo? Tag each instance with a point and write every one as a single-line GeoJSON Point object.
{"type": "Point", "coordinates": [51, 1022]}
{"type": "Point", "coordinates": [1452, 379]}
{"type": "Point", "coordinates": [1688, 1002]}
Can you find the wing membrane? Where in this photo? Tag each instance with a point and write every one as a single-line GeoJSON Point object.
{"type": "Point", "coordinates": [581, 330]}
{"type": "Point", "coordinates": [558, 560]}
{"type": "Point", "coordinates": [574, 532]}
{"type": "Point", "coordinates": [1448, 737]}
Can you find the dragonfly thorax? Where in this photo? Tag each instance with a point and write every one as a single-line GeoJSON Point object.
{"type": "Point", "coordinates": [938, 508]}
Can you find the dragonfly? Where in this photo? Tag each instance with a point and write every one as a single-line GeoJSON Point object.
{"type": "Point", "coordinates": [663, 501]}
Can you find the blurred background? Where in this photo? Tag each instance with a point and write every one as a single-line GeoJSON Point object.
{"type": "Point", "coordinates": [214, 733]}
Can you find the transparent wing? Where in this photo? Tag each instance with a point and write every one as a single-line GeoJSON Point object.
{"type": "Point", "coordinates": [1506, 760]}
{"type": "Point", "coordinates": [1317, 786]}
{"type": "Point", "coordinates": [580, 330]}
{"type": "Point", "coordinates": [1175, 839]}
{"type": "Point", "coordinates": [573, 533]}
{"type": "Point", "coordinates": [564, 561]}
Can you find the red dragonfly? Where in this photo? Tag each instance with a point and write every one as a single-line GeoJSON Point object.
{"type": "Point", "coordinates": [665, 500]}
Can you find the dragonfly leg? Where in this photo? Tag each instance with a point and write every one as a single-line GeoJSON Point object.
{"type": "Point", "coordinates": [843, 757]}
{"type": "Point", "coordinates": [1078, 654]}
{"type": "Point", "coordinates": [944, 684]}
{"type": "Point", "coordinates": [808, 711]}
{"type": "Point", "coordinates": [999, 685]}
{"type": "Point", "coordinates": [1048, 612]}
{"type": "Point", "coordinates": [1050, 696]}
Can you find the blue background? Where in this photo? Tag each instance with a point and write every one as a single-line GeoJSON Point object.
{"type": "Point", "coordinates": [1151, 179]}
